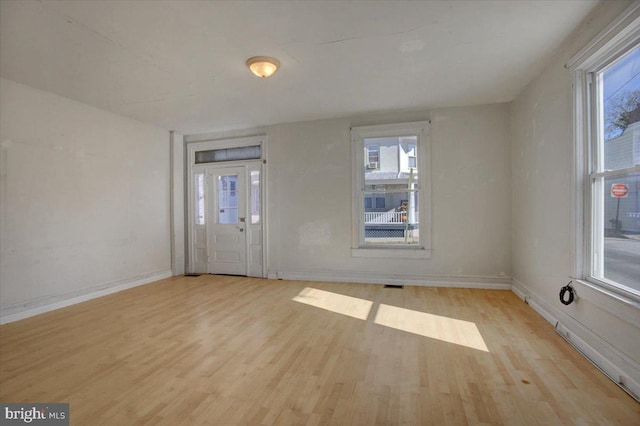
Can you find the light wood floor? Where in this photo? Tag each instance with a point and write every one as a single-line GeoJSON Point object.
{"type": "Point", "coordinates": [229, 350]}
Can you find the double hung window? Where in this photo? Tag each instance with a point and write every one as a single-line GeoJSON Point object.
{"type": "Point", "coordinates": [391, 190]}
{"type": "Point", "coordinates": [607, 128]}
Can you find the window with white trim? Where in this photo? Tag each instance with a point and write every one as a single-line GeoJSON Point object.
{"type": "Point", "coordinates": [391, 202]}
{"type": "Point", "coordinates": [607, 119]}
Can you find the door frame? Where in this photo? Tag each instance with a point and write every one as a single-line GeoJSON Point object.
{"type": "Point", "coordinates": [192, 168]}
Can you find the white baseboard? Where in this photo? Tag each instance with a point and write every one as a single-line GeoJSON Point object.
{"type": "Point", "coordinates": [617, 366]}
{"type": "Point", "coordinates": [35, 307]}
{"type": "Point", "coordinates": [519, 292]}
{"type": "Point", "coordinates": [458, 281]}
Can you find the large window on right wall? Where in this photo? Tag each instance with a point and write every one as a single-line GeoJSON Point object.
{"type": "Point", "coordinates": [607, 90]}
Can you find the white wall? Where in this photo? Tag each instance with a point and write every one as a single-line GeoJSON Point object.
{"type": "Point", "coordinates": [543, 237]}
{"type": "Point", "coordinates": [84, 201]}
{"type": "Point", "coordinates": [309, 205]}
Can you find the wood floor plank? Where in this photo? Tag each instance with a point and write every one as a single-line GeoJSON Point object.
{"type": "Point", "coordinates": [230, 350]}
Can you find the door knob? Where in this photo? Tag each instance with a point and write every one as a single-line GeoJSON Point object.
{"type": "Point", "coordinates": [241, 229]}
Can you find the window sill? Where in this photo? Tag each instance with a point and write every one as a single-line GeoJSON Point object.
{"type": "Point", "coordinates": [624, 307]}
{"type": "Point", "coordinates": [391, 253]}
{"type": "Point", "coordinates": [620, 296]}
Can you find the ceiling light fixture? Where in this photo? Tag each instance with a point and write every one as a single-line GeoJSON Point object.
{"type": "Point", "coordinates": [263, 66]}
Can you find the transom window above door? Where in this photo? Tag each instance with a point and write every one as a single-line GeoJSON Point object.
{"type": "Point", "coordinates": [228, 154]}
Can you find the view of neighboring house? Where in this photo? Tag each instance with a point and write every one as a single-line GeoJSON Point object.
{"type": "Point", "coordinates": [623, 214]}
{"type": "Point", "coordinates": [391, 177]}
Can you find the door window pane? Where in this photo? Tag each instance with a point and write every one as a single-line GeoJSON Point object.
{"type": "Point", "coordinates": [199, 198]}
{"type": "Point", "coordinates": [254, 199]}
{"type": "Point", "coordinates": [227, 199]}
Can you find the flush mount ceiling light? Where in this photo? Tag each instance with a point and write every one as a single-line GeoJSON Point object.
{"type": "Point", "coordinates": [263, 66]}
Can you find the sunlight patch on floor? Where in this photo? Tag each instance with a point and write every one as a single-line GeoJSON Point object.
{"type": "Point", "coordinates": [334, 302]}
{"type": "Point", "coordinates": [449, 330]}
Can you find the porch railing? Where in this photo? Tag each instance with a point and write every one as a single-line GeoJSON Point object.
{"type": "Point", "coordinates": [386, 217]}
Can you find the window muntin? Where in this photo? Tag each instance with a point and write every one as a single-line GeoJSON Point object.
{"type": "Point", "coordinates": [613, 233]}
{"type": "Point", "coordinates": [388, 200]}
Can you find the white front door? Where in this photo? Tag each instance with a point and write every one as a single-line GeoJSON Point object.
{"type": "Point", "coordinates": [226, 221]}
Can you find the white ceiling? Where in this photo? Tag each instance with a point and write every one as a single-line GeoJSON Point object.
{"type": "Point", "coordinates": [181, 65]}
